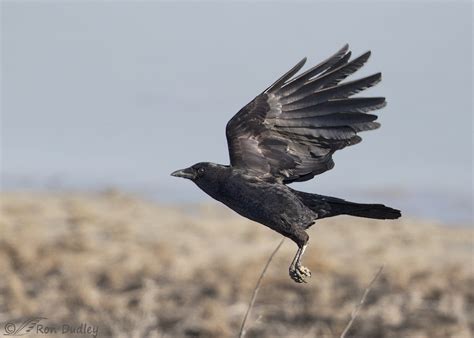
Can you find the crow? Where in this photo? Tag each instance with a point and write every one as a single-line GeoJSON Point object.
{"type": "Point", "coordinates": [288, 134]}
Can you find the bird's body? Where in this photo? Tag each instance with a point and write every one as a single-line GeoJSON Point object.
{"type": "Point", "coordinates": [257, 199]}
{"type": "Point", "coordinates": [288, 134]}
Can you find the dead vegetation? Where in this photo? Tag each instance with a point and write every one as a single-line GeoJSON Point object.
{"type": "Point", "coordinates": [135, 269]}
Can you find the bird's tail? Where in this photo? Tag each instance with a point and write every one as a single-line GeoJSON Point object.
{"type": "Point", "coordinates": [326, 206]}
{"type": "Point", "coordinates": [377, 211]}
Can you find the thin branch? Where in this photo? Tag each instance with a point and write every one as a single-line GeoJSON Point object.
{"type": "Point", "coordinates": [356, 310]}
{"type": "Point", "coordinates": [257, 287]}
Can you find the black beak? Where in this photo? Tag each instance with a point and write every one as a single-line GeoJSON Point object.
{"type": "Point", "coordinates": [184, 173]}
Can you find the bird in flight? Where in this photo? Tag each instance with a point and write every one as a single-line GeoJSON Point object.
{"type": "Point", "coordinates": [288, 134]}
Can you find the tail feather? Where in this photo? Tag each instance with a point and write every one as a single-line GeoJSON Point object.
{"type": "Point", "coordinates": [326, 206]}
{"type": "Point", "coordinates": [377, 211]}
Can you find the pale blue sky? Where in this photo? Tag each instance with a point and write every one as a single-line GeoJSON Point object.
{"type": "Point", "coordinates": [123, 93]}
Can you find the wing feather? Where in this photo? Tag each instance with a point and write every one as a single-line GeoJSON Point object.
{"type": "Point", "coordinates": [349, 105]}
{"type": "Point", "coordinates": [278, 83]}
{"type": "Point", "coordinates": [340, 91]}
{"type": "Point", "coordinates": [329, 79]}
{"type": "Point", "coordinates": [291, 130]}
{"type": "Point", "coordinates": [301, 80]}
{"type": "Point", "coordinates": [330, 120]}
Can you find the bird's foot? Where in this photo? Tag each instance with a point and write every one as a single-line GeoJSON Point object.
{"type": "Point", "coordinates": [299, 273]}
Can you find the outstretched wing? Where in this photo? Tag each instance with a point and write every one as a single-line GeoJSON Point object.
{"type": "Point", "coordinates": [290, 131]}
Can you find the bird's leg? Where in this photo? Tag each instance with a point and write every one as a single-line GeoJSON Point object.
{"type": "Point", "coordinates": [298, 272]}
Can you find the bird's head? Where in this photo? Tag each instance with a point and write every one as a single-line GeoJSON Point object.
{"type": "Point", "coordinates": [201, 171]}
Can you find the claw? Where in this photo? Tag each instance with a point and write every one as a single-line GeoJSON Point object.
{"type": "Point", "coordinates": [299, 274]}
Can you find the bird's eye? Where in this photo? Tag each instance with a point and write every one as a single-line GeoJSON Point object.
{"type": "Point", "coordinates": [201, 171]}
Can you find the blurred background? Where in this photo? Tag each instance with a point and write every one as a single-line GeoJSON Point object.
{"type": "Point", "coordinates": [119, 94]}
{"type": "Point", "coordinates": [102, 100]}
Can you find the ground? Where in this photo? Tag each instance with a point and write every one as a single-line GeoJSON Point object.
{"type": "Point", "coordinates": [136, 268]}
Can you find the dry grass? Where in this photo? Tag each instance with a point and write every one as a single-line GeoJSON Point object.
{"type": "Point", "coordinates": [138, 269]}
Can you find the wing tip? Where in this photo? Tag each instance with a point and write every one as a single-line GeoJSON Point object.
{"type": "Point", "coordinates": [365, 56]}
{"type": "Point", "coordinates": [285, 77]}
{"type": "Point", "coordinates": [377, 75]}
{"type": "Point", "coordinates": [302, 62]}
{"type": "Point", "coordinates": [373, 79]}
{"type": "Point", "coordinates": [379, 102]}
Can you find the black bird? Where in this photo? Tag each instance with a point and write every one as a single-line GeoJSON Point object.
{"type": "Point", "coordinates": [288, 134]}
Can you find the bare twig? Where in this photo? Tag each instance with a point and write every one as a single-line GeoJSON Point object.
{"type": "Point", "coordinates": [257, 287]}
{"type": "Point", "coordinates": [356, 310]}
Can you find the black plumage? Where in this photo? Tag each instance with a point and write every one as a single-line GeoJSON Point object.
{"type": "Point", "coordinates": [288, 134]}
